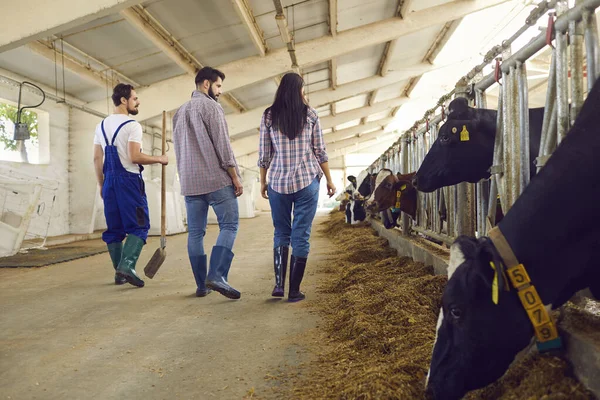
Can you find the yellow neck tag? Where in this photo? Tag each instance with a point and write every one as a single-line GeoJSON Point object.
{"type": "Point", "coordinates": [544, 327]}
{"type": "Point", "coordinates": [464, 134]}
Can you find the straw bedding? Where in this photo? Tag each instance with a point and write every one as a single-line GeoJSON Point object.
{"type": "Point", "coordinates": [380, 312]}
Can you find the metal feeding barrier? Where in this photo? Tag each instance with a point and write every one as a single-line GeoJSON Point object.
{"type": "Point", "coordinates": [470, 209]}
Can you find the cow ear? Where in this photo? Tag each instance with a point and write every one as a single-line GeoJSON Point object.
{"type": "Point", "coordinates": [492, 269]}
{"type": "Point", "coordinates": [401, 186]}
{"type": "Point", "coordinates": [458, 109]}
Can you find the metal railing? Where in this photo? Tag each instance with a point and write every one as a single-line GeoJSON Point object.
{"type": "Point", "coordinates": [470, 209]}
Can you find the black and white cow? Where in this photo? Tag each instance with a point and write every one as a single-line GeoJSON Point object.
{"type": "Point", "coordinates": [464, 149]}
{"type": "Point", "coordinates": [476, 339]}
{"type": "Point", "coordinates": [355, 210]}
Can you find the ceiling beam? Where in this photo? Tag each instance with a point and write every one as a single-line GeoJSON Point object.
{"type": "Point", "coordinates": [381, 142]}
{"type": "Point", "coordinates": [239, 123]}
{"type": "Point", "coordinates": [355, 140]}
{"type": "Point", "coordinates": [372, 97]}
{"type": "Point", "coordinates": [347, 116]}
{"type": "Point", "coordinates": [286, 37]}
{"type": "Point", "coordinates": [144, 22]}
{"type": "Point", "coordinates": [249, 144]}
{"type": "Point", "coordinates": [384, 63]}
{"type": "Point", "coordinates": [441, 39]}
{"type": "Point", "coordinates": [37, 19]}
{"type": "Point", "coordinates": [70, 63]}
{"type": "Point", "coordinates": [171, 93]}
{"type": "Point", "coordinates": [411, 85]}
{"type": "Point", "coordinates": [367, 148]}
{"type": "Point", "coordinates": [247, 16]}
{"type": "Point", "coordinates": [355, 130]}
{"type": "Point", "coordinates": [333, 11]}
{"type": "Point", "coordinates": [404, 8]}
{"type": "Point", "coordinates": [333, 72]}
{"type": "Point", "coordinates": [88, 60]}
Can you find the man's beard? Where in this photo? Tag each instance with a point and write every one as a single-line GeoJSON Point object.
{"type": "Point", "coordinates": [132, 111]}
{"type": "Point", "coordinates": [212, 94]}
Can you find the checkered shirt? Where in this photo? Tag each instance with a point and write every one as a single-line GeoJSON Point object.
{"type": "Point", "coordinates": [202, 147]}
{"type": "Point", "coordinates": [292, 164]}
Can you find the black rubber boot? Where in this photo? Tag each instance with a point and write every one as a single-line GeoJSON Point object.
{"type": "Point", "coordinates": [297, 267]}
{"type": "Point", "coordinates": [115, 250]}
{"type": "Point", "coordinates": [131, 252]}
{"type": "Point", "coordinates": [199, 270]}
{"type": "Point", "coordinates": [220, 262]}
{"type": "Point", "coordinates": [280, 261]}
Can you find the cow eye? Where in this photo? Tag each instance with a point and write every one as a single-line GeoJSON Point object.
{"type": "Point", "coordinates": [455, 313]}
{"type": "Point", "coordinates": [444, 139]}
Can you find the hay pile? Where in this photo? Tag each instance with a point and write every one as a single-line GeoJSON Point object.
{"type": "Point", "coordinates": [379, 312]}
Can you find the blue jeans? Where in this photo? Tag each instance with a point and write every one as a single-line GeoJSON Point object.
{"type": "Point", "coordinates": [225, 205]}
{"type": "Point", "coordinates": [304, 204]}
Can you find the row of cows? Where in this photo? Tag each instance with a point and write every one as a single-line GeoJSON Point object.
{"type": "Point", "coordinates": [477, 338]}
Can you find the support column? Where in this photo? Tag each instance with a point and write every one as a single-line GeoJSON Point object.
{"type": "Point", "coordinates": [84, 196]}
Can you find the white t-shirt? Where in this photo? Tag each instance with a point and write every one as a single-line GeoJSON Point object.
{"type": "Point", "coordinates": [132, 132]}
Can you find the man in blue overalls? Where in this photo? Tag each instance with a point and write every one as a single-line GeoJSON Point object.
{"type": "Point", "coordinates": [118, 161]}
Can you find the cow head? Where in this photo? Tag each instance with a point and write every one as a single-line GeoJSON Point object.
{"type": "Point", "coordinates": [463, 151]}
{"type": "Point", "coordinates": [387, 186]}
{"type": "Point", "coordinates": [476, 339]}
{"type": "Point", "coordinates": [363, 185]}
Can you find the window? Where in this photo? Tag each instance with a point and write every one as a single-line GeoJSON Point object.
{"type": "Point", "coordinates": [12, 150]}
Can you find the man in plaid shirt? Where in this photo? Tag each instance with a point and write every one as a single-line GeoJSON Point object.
{"type": "Point", "coordinates": [209, 176]}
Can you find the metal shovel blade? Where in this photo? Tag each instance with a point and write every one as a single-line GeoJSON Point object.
{"type": "Point", "coordinates": [158, 258]}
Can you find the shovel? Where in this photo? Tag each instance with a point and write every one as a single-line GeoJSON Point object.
{"type": "Point", "coordinates": [161, 253]}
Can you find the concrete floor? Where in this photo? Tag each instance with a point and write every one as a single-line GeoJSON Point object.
{"type": "Point", "coordinates": [67, 332]}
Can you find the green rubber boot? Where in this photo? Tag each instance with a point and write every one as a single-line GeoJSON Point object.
{"type": "Point", "coordinates": [131, 253]}
{"type": "Point", "coordinates": [115, 249]}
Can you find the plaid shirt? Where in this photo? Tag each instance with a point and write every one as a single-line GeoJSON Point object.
{"type": "Point", "coordinates": [294, 164]}
{"type": "Point", "coordinates": [202, 147]}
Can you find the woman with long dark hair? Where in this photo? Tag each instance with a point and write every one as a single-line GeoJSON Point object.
{"type": "Point", "coordinates": [293, 150]}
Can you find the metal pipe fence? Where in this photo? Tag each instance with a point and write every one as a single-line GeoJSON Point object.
{"type": "Point", "coordinates": [470, 209]}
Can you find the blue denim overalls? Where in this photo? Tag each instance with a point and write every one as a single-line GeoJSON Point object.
{"type": "Point", "coordinates": [124, 194]}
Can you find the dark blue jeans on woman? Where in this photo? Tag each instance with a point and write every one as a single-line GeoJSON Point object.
{"type": "Point", "coordinates": [303, 205]}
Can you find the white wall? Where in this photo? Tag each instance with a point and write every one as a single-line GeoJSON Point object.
{"type": "Point", "coordinates": [54, 161]}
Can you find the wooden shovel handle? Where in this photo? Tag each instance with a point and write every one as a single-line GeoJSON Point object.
{"type": "Point", "coordinates": [163, 183]}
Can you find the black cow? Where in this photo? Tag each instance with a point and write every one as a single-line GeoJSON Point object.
{"type": "Point", "coordinates": [346, 202]}
{"type": "Point", "coordinates": [477, 339]}
{"type": "Point", "coordinates": [464, 149]}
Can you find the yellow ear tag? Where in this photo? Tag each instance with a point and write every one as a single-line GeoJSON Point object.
{"type": "Point", "coordinates": [454, 129]}
{"type": "Point", "coordinates": [464, 134]}
{"type": "Point", "coordinates": [494, 284]}
{"type": "Point", "coordinates": [403, 188]}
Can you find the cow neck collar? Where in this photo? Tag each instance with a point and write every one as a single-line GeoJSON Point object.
{"type": "Point", "coordinates": [543, 324]}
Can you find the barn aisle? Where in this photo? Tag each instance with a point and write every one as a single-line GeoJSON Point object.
{"type": "Point", "coordinates": [69, 333]}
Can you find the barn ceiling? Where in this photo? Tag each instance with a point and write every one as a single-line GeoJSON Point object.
{"type": "Point", "coordinates": [369, 65]}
